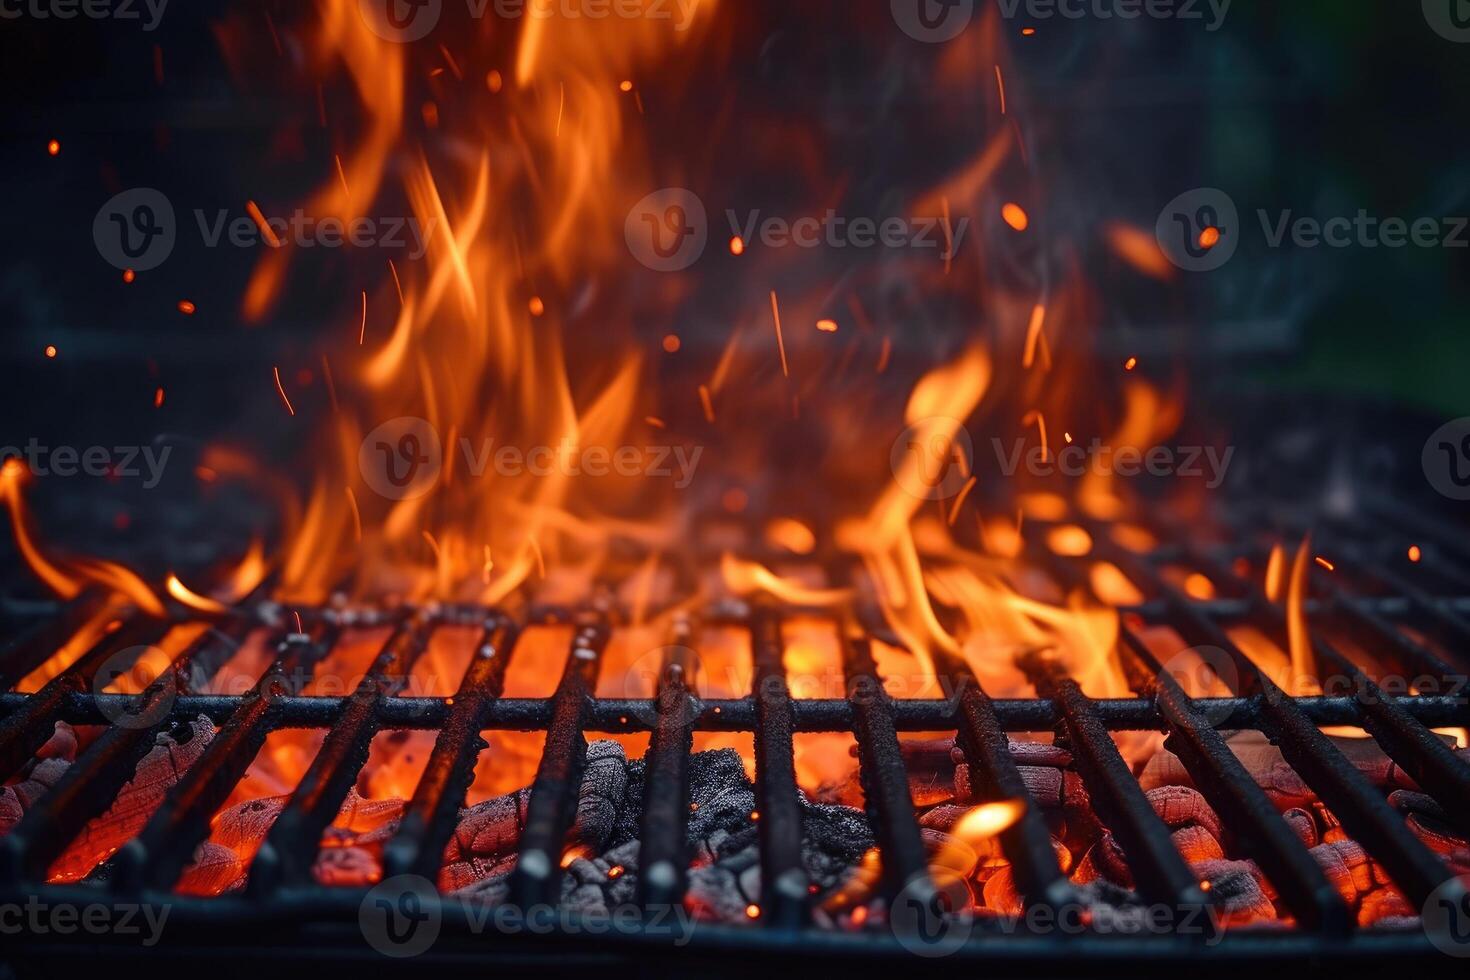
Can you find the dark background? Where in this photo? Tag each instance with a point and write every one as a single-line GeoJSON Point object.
{"type": "Point", "coordinates": [1320, 106]}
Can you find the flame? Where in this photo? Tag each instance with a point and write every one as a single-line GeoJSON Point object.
{"type": "Point", "coordinates": [1303, 680]}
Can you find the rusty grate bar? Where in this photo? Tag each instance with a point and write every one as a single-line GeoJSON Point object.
{"type": "Point", "coordinates": [536, 879]}
{"type": "Point", "coordinates": [429, 820]}
{"type": "Point", "coordinates": [783, 876]}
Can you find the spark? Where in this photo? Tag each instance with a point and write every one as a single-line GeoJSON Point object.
{"type": "Point", "coordinates": [433, 546]}
{"type": "Point", "coordinates": [737, 245]}
{"type": "Point", "coordinates": [561, 109]}
{"type": "Point", "coordinates": [1130, 364]}
{"type": "Point", "coordinates": [158, 397]}
{"type": "Point", "coordinates": [342, 176]}
{"type": "Point", "coordinates": [494, 81]}
{"type": "Point", "coordinates": [655, 421]}
{"type": "Point", "coordinates": [129, 275]}
{"type": "Point", "coordinates": [1210, 237]}
{"type": "Point", "coordinates": [827, 326]}
{"type": "Point", "coordinates": [362, 328]}
{"type": "Point", "coordinates": [356, 515]}
{"type": "Point", "coordinates": [187, 308]}
{"type": "Point", "coordinates": [536, 551]}
{"type": "Point", "coordinates": [453, 65]}
{"type": "Point", "coordinates": [1000, 84]}
{"type": "Point", "coordinates": [537, 306]}
{"type": "Point", "coordinates": [959, 501]}
{"type": "Point", "coordinates": [884, 353]}
{"type": "Point", "coordinates": [397, 283]}
{"type": "Point", "coordinates": [672, 343]}
{"type": "Point", "coordinates": [1034, 336]}
{"type": "Point", "coordinates": [1015, 216]}
{"type": "Point", "coordinates": [54, 148]}
{"type": "Point", "coordinates": [1035, 416]}
{"type": "Point", "coordinates": [625, 85]}
{"type": "Point", "coordinates": [752, 911]}
{"type": "Point", "coordinates": [265, 229]}
{"type": "Point", "coordinates": [51, 350]}
{"type": "Point", "coordinates": [487, 567]}
{"type": "Point", "coordinates": [1414, 553]}
{"type": "Point", "coordinates": [1325, 563]}
{"type": "Point", "coordinates": [1028, 31]}
{"type": "Point", "coordinates": [299, 627]}
{"type": "Point", "coordinates": [780, 341]}
{"type": "Point", "coordinates": [282, 390]}
{"type": "Point", "coordinates": [704, 399]}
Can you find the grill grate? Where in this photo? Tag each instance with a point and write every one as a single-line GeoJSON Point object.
{"type": "Point", "coordinates": [280, 877]}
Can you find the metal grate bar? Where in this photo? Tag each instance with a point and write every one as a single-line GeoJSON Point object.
{"type": "Point", "coordinates": [881, 771]}
{"type": "Point", "coordinates": [1158, 869]}
{"type": "Point", "coordinates": [663, 858]}
{"type": "Point", "coordinates": [27, 729]}
{"type": "Point", "coordinates": [24, 653]}
{"type": "Point", "coordinates": [429, 819]}
{"type": "Point", "coordinates": [1416, 749]}
{"type": "Point", "coordinates": [1235, 796]}
{"type": "Point", "coordinates": [994, 776]}
{"type": "Point", "coordinates": [536, 878]}
{"type": "Point", "coordinates": [783, 875]}
{"type": "Point", "coordinates": [92, 782]}
{"type": "Point", "coordinates": [290, 848]}
{"type": "Point", "coordinates": [1362, 809]}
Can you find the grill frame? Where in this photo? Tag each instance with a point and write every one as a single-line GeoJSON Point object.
{"type": "Point", "coordinates": [281, 891]}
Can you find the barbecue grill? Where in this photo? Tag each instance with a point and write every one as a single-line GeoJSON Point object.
{"type": "Point", "coordinates": [283, 899]}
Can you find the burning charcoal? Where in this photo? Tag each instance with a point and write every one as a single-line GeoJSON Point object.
{"type": "Point", "coordinates": [951, 852]}
{"type": "Point", "coordinates": [1386, 906]}
{"type": "Point", "coordinates": [927, 788]}
{"type": "Point", "coordinates": [1001, 894]}
{"type": "Point", "coordinates": [215, 869]}
{"type": "Point", "coordinates": [1049, 788]}
{"type": "Point", "coordinates": [715, 896]}
{"type": "Point", "coordinates": [1105, 861]}
{"type": "Point", "coordinates": [61, 745]}
{"type": "Point", "coordinates": [489, 829]}
{"type": "Point", "coordinates": [604, 784]}
{"type": "Point", "coordinates": [173, 752]}
{"type": "Point", "coordinates": [1195, 843]}
{"type": "Point", "coordinates": [1428, 821]}
{"type": "Point", "coordinates": [16, 799]}
{"type": "Point", "coordinates": [367, 820]}
{"type": "Point", "coordinates": [1028, 754]}
{"type": "Point", "coordinates": [925, 753]}
{"type": "Point", "coordinates": [1303, 825]}
{"type": "Point", "coordinates": [479, 880]}
{"type": "Point", "coordinates": [1180, 806]}
{"type": "Point", "coordinates": [1236, 890]}
{"type": "Point", "coordinates": [1349, 869]}
{"type": "Point", "coordinates": [347, 867]}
